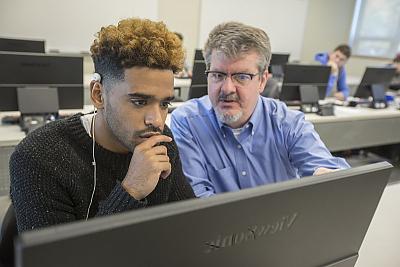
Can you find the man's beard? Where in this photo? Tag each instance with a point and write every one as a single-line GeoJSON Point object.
{"type": "Point", "coordinates": [227, 118]}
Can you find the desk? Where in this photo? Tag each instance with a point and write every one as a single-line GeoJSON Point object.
{"type": "Point", "coordinates": [359, 127]}
{"type": "Point", "coordinates": [183, 84]}
{"type": "Point", "coordinates": [11, 135]}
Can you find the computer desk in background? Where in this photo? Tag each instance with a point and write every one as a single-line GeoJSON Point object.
{"type": "Point", "coordinates": [350, 128]}
{"type": "Point", "coordinates": [359, 127]}
{"type": "Point", "coordinates": [11, 135]}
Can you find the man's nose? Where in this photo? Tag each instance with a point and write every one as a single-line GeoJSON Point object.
{"type": "Point", "coordinates": [228, 86]}
{"type": "Point", "coordinates": [154, 117]}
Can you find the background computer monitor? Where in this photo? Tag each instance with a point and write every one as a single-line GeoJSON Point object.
{"type": "Point", "coordinates": [314, 221]}
{"type": "Point", "coordinates": [277, 63]}
{"type": "Point", "coordinates": [64, 73]}
{"type": "Point", "coordinates": [296, 75]}
{"type": "Point", "coordinates": [374, 76]}
{"type": "Point", "coordinates": [22, 45]}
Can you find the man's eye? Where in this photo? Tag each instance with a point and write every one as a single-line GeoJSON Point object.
{"type": "Point", "coordinates": [242, 77]}
{"type": "Point", "coordinates": [139, 102]}
{"type": "Point", "coordinates": [218, 76]}
{"type": "Point", "coordinates": [166, 104]}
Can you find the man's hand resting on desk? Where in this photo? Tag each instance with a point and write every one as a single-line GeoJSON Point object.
{"type": "Point", "coordinates": [323, 170]}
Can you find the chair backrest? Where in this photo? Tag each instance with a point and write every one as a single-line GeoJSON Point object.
{"type": "Point", "coordinates": [8, 232]}
{"type": "Point", "coordinates": [198, 86]}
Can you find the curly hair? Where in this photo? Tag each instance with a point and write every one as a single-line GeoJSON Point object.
{"type": "Point", "coordinates": [234, 38]}
{"type": "Point", "coordinates": [135, 42]}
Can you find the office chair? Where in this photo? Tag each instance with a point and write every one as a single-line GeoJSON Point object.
{"type": "Point", "coordinates": [197, 91]}
{"type": "Point", "coordinates": [198, 86]}
{"type": "Point", "coordinates": [8, 232]}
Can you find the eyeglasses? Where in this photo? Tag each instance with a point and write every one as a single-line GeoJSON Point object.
{"type": "Point", "coordinates": [239, 78]}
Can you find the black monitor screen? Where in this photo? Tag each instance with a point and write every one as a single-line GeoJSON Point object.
{"type": "Point", "coordinates": [21, 45]}
{"type": "Point", "coordinates": [64, 73]}
{"type": "Point", "coordinates": [279, 59]}
{"type": "Point", "coordinates": [313, 221]}
{"type": "Point", "coordinates": [310, 75]}
{"type": "Point", "coordinates": [277, 63]}
{"type": "Point", "coordinates": [374, 76]}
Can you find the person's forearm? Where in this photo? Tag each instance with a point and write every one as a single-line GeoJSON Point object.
{"type": "Point", "coordinates": [119, 200]}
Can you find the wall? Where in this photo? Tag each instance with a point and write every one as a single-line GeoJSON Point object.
{"type": "Point", "coordinates": [185, 22]}
{"type": "Point", "coordinates": [283, 20]}
{"type": "Point", "coordinates": [303, 27]}
{"type": "Point", "coordinates": [67, 26]}
{"type": "Point", "coordinates": [328, 24]}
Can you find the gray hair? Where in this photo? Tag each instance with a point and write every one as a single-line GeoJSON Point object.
{"type": "Point", "coordinates": [235, 38]}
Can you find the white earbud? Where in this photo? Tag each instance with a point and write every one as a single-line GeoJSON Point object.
{"type": "Point", "coordinates": [96, 77]}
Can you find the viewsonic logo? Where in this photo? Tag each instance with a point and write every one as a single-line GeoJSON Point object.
{"type": "Point", "coordinates": [252, 233]}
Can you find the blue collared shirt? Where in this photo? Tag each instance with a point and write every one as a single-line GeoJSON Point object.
{"type": "Point", "coordinates": [340, 80]}
{"type": "Point", "coordinates": [277, 144]}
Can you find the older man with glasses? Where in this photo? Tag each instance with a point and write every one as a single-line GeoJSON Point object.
{"type": "Point", "coordinates": [233, 138]}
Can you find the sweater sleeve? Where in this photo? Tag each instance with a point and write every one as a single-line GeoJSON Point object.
{"type": "Point", "coordinates": [119, 200]}
{"type": "Point", "coordinates": [181, 188]}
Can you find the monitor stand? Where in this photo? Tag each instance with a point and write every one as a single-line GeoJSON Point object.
{"type": "Point", "coordinates": [309, 97]}
{"type": "Point", "coordinates": [38, 105]}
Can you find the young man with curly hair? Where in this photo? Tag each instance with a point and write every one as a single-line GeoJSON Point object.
{"type": "Point", "coordinates": [120, 158]}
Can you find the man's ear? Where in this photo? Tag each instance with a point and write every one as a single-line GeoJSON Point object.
{"type": "Point", "coordinates": [96, 94]}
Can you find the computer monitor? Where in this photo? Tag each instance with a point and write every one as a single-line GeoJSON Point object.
{"type": "Point", "coordinates": [63, 73]}
{"type": "Point", "coordinates": [277, 63]}
{"type": "Point", "coordinates": [198, 86]}
{"type": "Point", "coordinates": [312, 221]}
{"type": "Point", "coordinates": [22, 45]}
{"type": "Point", "coordinates": [374, 83]}
{"type": "Point", "coordinates": [304, 84]}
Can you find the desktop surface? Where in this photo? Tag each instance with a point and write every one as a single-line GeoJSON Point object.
{"type": "Point", "coordinates": [313, 221]}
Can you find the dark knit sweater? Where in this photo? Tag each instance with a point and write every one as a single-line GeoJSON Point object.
{"type": "Point", "coordinates": [52, 177]}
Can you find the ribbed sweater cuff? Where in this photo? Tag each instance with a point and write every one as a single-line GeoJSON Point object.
{"type": "Point", "coordinates": [119, 200]}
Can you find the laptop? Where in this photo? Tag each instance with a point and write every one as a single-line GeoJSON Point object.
{"type": "Point", "coordinates": [312, 221]}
